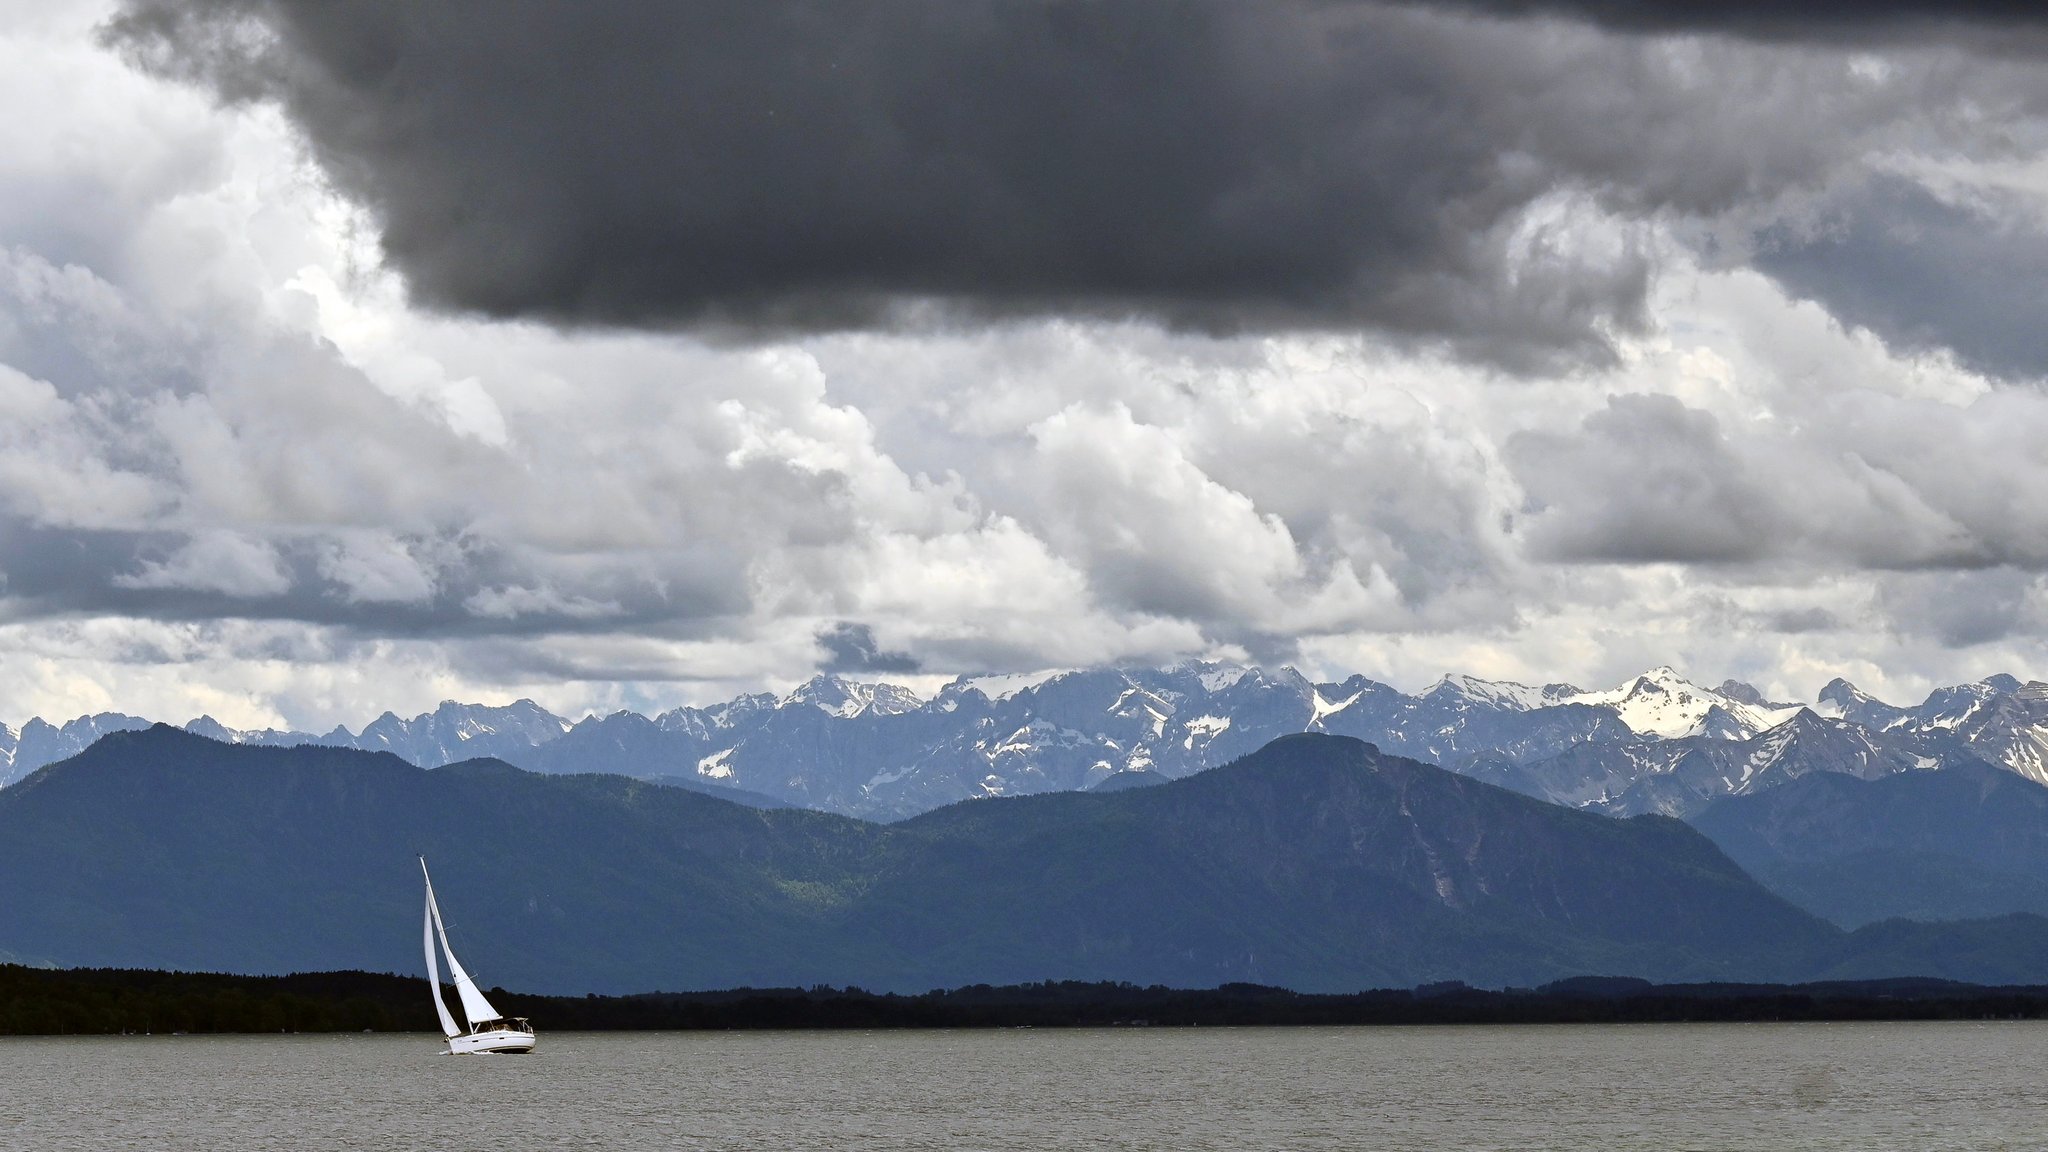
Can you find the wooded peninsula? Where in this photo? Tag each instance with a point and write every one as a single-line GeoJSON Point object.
{"type": "Point", "coordinates": [38, 1001]}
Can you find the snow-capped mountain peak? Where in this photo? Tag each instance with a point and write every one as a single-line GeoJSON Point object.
{"type": "Point", "coordinates": [1500, 693]}
{"type": "Point", "coordinates": [846, 699]}
{"type": "Point", "coordinates": [1004, 685]}
{"type": "Point", "coordinates": [1214, 676]}
{"type": "Point", "coordinates": [1838, 697]}
{"type": "Point", "coordinates": [1743, 692]}
{"type": "Point", "coordinates": [1664, 704]}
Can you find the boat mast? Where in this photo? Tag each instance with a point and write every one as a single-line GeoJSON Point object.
{"type": "Point", "coordinates": [433, 960]}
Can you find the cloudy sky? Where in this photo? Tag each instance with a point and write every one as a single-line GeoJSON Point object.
{"type": "Point", "coordinates": [617, 354]}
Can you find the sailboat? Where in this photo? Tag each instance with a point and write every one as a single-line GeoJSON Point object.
{"type": "Point", "coordinates": [489, 1030]}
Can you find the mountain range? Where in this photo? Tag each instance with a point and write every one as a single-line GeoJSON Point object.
{"type": "Point", "coordinates": [1316, 862]}
{"type": "Point", "coordinates": [1655, 744]}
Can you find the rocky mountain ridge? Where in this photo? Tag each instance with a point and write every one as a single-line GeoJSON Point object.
{"type": "Point", "coordinates": [1657, 743]}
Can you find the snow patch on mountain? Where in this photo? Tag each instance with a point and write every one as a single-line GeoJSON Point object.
{"type": "Point", "coordinates": [1203, 729]}
{"type": "Point", "coordinates": [715, 765]}
{"type": "Point", "coordinates": [886, 776]}
{"type": "Point", "coordinates": [1322, 708]}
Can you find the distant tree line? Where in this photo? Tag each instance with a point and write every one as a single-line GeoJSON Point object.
{"type": "Point", "coordinates": [43, 1002]}
{"type": "Point", "coordinates": [36, 1001]}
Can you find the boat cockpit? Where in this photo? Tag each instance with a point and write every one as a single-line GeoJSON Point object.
{"type": "Point", "coordinates": [513, 1024]}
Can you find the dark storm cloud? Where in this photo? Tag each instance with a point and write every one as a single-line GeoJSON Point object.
{"type": "Point", "coordinates": [1831, 20]}
{"type": "Point", "coordinates": [801, 164]}
{"type": "Point", "coordinates": [1926, 274]}
{"type": "Point", "coordinates": [851, 647]}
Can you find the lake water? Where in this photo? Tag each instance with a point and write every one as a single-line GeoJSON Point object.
{"type": "Point", "coordinates": [1752, 1087]}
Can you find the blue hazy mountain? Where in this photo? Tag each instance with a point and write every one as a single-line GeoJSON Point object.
{"type": "Point", "coordinates": [1970, 840]}
{"type": "Point", "coordinates": [39, 742]}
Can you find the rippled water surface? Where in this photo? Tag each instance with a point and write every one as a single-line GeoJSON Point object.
{"type": "Point", "coordinates": [1748, 1087]}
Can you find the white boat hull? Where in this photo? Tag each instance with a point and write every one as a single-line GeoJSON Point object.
{"type": "Point", "coordinates": [504, 1040]}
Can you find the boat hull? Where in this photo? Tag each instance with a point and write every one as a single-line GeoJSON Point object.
{"type": "Point", "coordinates": [502, 1040]}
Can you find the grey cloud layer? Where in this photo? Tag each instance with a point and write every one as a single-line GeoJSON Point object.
{"type": "Point", "coordinates": [1863, 482]}
{"type": "Point", "coordinates": [224, 437]}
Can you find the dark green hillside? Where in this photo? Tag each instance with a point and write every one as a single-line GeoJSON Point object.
{"type": "Point", "coordinates": [1998, 950]}
{"type": "Point", "coordinates": [1969, 840]}
{"type": "Point", "coordinates": [1319, 863]}
{"type": "Point", "coordinates": [159, 849]}
{"type": "Point", "coordinates": [1315, 863]}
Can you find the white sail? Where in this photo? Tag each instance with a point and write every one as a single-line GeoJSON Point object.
{"type": "Point", "coordinates": [434, 962]}
{"type": "Point", "coordinates": [474, 1007]}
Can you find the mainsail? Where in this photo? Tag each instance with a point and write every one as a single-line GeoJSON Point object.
{"type": "Point", "coordinates": [434, 963]}
{"type": "Point", "coordinates": [474, 1007]}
